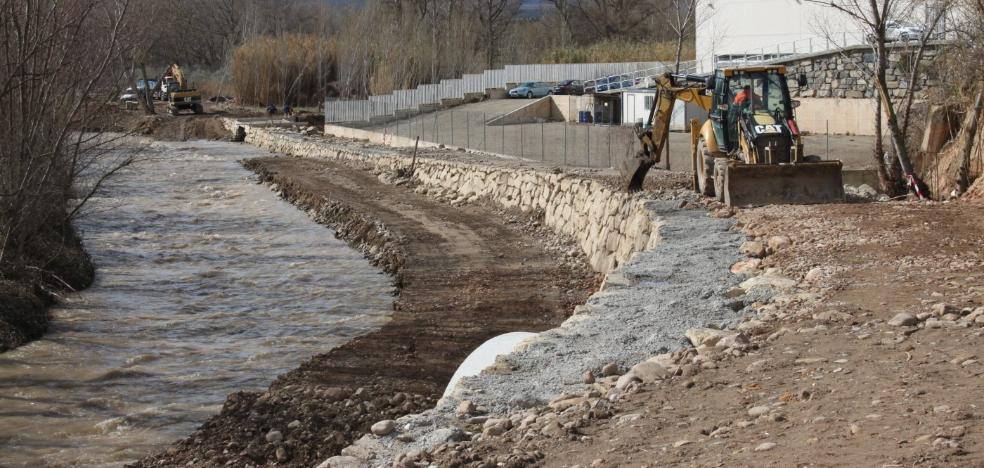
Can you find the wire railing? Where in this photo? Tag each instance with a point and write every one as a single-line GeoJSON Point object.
{"type": "Point", "coordinates": [644, 78]}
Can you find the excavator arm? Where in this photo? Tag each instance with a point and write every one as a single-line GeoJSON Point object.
{"type": "Point", "coordinates": [654, 133]}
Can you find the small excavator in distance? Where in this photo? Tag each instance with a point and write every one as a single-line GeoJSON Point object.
{"type": "Point", "coordinates": [175, 90]}
{"type": "Point", "coordinates": [749, 151]}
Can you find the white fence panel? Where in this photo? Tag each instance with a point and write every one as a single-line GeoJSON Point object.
{"type": "Point", "coordinates": [381, 105]}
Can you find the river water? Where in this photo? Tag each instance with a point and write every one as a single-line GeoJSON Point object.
{"type": "Point", "coordinates": [207, 283]}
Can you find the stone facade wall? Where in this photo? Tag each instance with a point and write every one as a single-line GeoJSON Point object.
{"type": "Point", "coordinates": [608, 225]}
{"type": "Point", "coordinates": [837, 74]}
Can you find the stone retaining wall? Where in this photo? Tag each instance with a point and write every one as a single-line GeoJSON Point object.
{"type": "Point", "coordinates": [837, 73]}
{"type": "Point", "coordinates": [608, 225]}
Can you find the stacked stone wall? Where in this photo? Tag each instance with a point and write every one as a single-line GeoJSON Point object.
{"type": "Point", "coordinates": [842, 74]}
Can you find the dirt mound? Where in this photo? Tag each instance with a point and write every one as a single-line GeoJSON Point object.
{"type": "Point", "coordinates": [181, 128]}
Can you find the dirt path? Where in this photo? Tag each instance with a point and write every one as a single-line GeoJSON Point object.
{"type": "Point", "coordinates": [465, 275]}
{"type": "Point", "coordinates": [826, 380]}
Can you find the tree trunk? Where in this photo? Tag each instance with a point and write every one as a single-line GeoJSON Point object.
{"type": "Point", "coordinates": [970, 136]}
{"type": "Point", "coordinates": [884, 178]}
{"type": "Point", "coordinates": [896, 134]}
{"type": "Point", "coordinates": [679, 47]}
{"type": "Point", "coordinates": [148, 99]}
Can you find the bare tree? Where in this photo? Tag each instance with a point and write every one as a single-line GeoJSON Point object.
{"type": "Point", "coordinates": [495, 16]}
{"type": "Point", "coordinates": [682, 20]}
{"type": "Point", "coordinates": [56, 74]}
{"type": "Point", "coordinates": [872, 17]}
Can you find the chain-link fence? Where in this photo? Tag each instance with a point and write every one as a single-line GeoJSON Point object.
{"type": "Point", "coordinates": [561, 143]}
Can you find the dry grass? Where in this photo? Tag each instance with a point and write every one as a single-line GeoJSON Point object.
{"type": "Point", "coordinates": [619, 51]}
{"type": "Point", "coordinates": [282, 69]}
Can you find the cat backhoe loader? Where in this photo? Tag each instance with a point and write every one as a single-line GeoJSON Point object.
{"type": "Point", "coordinates": [749, 151]}
{"type": "Point", "coordinates": [175, 90]}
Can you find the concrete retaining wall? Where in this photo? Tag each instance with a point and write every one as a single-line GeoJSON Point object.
{"type": "Point", "coordinates": [844, 116]}
{"type": "Point", "coordinates": [608, 225]}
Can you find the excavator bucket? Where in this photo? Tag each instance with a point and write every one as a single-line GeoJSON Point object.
{"type": "Point", "coordinates": [633, 170]}
{"type": "Point", "coordinates": [800, 184]}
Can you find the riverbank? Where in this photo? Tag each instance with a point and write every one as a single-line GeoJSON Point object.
{"type": "Point", "coordinates": [304, 416]}
{"type": "Point", "coordinates": [465, 274]}
{"type": "Point", "coordinates": [54, 264]}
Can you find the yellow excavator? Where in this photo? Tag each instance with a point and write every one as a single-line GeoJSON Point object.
{"type": "Point", "coordinates": [749, 151]}
{"type": "Point", "coordinates": [175, 90]}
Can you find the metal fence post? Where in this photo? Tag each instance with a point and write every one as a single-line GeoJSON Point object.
{"type": "Point", "coordinates": [565, 142]}
{"type": "Point", "coordinates": [542, 148]}
{"type": "Point", "coordinates": [522, 137]}
{"type": "Point", "coordinates": [485, 132]}
{"type": "Point", "coordinates": [452, 128]}
{"type": "Point", "coordinates": [827, 123]}
{"type": "Point", "coordinates": [588, 147]}
{"type": "Point", "coordinates": [467, 129]}
{"type": "Point", "coordinates": [609, 144]}
{"type": "Point", "coordinates": [437, 129]}
{"type": "Point", "coordinates": [502, 146]}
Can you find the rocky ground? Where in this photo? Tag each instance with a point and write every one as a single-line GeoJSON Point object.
{"type": "Point", "coordinates": [465, 274]}
{"type": "Point", "coordinates": [868, 355]}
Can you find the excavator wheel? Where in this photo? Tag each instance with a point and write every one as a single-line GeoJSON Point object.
{"type": "Point", "coordinates": [705, 170]}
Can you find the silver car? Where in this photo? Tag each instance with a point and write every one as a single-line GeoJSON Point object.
{"type": "Point", "coordinates": [896, 31]}
{"type": "Point", "coordinates": [531, 89]}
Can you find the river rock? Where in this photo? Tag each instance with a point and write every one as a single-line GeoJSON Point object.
{"type": "Point", "coordinates": [342, 461]}
{"type": "Point", "coordinates": [903, 319]}
{"type": "Point", "coordinates": [752, 249]}
{"type": "Point", "coordinates": [765, 446]}
{"type": "Point", "coordinates": [942, 309]}
{"type": "Point", "coordinates": [274, 436]}
{"type": "Point", "coordinates": [495, 427]}
{"type": "Point", "coordinates": [754, 327]}
{"type": "Point", "coordinates": [465, 408]}
{"type": "Point", "coordinates": [757, 411]}
{"type": "Point", "coordinates": [704, 336]}
{"type": "Point", "coordinates": [648, 372]}
{"type": "Point", "coordinates": [778, 242]}
{"type": "Point", "coordinates": [623, 382]}
{"type": "Point", "coordinates": [746, 267]}
{"type": "Point", "coordinates": [588, 377]}
{"type": "Point", "coordinates": [610, 369]}
{"type": "Point", "coordinates": [773, 281]}
{"type": "Point", "coordinates": [384, 427]}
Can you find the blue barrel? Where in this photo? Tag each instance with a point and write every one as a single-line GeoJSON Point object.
{"type": "Point", "coordinates": [599, 116]}
{"type": "Point", "coordinates": [582, 116]}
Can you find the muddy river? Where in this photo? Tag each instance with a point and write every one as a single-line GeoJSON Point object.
{"type": "Point", "coordinates": [207, 283]}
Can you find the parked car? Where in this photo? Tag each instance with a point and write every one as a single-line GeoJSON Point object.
{"type": "Point", "coordinates": [129, 95]}
{"type": "Point", "coordinates": [896, 31]}
{"type": "Point", "coordinates": [572, 87]}
{"type": "Point", "coordinates": [531, 89]}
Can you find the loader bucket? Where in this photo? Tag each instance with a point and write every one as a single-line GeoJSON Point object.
{"type": "Point", "coordinates": [800, 184]}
